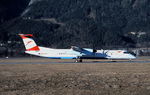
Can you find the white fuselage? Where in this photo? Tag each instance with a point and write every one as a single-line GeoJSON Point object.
{"type": "Point", "coordinates": [88, 54]}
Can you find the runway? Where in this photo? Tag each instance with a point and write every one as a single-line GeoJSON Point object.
{"type": "Point", "coordinates": [38, 60]}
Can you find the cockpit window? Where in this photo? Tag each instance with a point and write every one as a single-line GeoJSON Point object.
{"type": "Point", "coordinates": [126, 52]}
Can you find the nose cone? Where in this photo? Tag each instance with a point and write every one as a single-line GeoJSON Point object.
{"type": "Point", "coordinates": [132, 56]}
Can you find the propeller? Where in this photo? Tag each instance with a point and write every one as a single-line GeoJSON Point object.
{"type": "Point", "coordinates": [105, 52]}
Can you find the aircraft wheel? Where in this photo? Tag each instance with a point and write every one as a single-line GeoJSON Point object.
{"type": "Point", "coordinates": [78, 60]}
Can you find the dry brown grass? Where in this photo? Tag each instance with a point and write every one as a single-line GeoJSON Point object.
{"type": "Point", "coordinates": [73, 79]}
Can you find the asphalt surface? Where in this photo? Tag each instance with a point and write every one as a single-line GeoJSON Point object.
{"type": "Point", "coordinates": [38, 60]}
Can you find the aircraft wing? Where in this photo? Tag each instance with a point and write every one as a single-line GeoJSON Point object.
{"type": "Point", "coordinates": [81, 50]}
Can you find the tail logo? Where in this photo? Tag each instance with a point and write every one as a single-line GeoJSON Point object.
{"type": "Point", "coordinates": [28, 42]}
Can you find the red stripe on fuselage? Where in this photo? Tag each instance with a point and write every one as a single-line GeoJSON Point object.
{"type": "Point", "coordinates": [36, 48]}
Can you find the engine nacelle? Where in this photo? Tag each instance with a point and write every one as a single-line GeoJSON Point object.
{"type": "Point", "coordinates": [94, 50]}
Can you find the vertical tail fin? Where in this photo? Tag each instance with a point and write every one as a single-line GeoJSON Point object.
{"type": "Point", "coordinates": [29, 43]}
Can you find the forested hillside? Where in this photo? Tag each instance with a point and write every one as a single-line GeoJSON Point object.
{"type": "Point", "coordinates": [85, 23]}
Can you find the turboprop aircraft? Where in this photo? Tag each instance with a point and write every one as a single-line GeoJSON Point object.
{"type": "Point", "coordinates": [73, 53]}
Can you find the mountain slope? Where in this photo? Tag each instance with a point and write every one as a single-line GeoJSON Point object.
{"type": "Point", "coordinates": [10, 9]}
{"type": "Point", "coordinates": [86, 23]}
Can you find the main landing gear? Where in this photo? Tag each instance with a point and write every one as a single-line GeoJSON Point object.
{"type": "Point", "coordinates": [78, 60]}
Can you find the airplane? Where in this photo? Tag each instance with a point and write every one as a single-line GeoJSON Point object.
{"type": "Point", "coordinates": [74, 52]}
